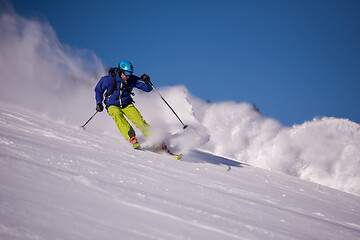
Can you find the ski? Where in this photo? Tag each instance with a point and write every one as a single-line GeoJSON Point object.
{"type": "Point", "coordinates": [164, 148]}
{"type": "Point", "coordinates": [159, 150]}
{"type": "Point", "coordinates": [176, 156]}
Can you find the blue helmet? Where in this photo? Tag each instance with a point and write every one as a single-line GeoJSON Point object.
{"type": "Point", "coordinates": [126, 66]}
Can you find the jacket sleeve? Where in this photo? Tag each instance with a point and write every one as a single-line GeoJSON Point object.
{"type": "Point", "coordinates": [142, 85]}
{"type": "Point", "coordinates": [99, 90]}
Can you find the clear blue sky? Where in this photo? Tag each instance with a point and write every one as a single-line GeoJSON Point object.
{"type": "Point", "coordinates": [295, 59]}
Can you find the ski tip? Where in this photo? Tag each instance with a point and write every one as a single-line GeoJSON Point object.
{"type": "Point", "coordinates": [136, 146]}
{"type": "Point", "coordinates": [177, 157]}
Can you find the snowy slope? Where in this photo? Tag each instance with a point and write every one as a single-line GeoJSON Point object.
{"type": "Point", "coordinates": [242, 176]}
{"type": "Point", "coordinates": [39, 73]}
{"type": "Point", "coordinates": [59, 182]}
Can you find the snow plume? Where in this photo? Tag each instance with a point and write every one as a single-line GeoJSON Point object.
{"type": "Point", "coordinates": [325, 151]}
{"type": "Point", "coordinates": [40, 73]}
{"type": "Point", "coordinates": [162, 119]}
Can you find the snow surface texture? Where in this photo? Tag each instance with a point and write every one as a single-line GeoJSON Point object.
{"type": "Point", "coordinates": [59, 182]}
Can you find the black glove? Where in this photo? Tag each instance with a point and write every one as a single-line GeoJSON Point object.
{"type": "Point", "coordinates": [146, 79]}
{"type": "Point", "coordinates": [99, 107]}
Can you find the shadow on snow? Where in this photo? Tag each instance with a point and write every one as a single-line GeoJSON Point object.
{"type": "Point", "coordinates": [197, 156]}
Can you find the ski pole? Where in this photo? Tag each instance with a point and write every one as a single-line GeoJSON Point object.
{"type": "Point", "coordinates": [184, 126]}
{"type": "Point", "coordinates": [89, 120]}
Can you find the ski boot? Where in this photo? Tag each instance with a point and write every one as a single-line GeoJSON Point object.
{"type": "Point", "coordinates": [135, 142]}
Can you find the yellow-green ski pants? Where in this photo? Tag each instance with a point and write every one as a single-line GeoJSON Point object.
{"type": "Point", "coordinates": [133, 115]}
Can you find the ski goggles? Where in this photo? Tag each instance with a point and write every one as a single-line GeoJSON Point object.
{"type": "Point", "coordinates": [128, 74]}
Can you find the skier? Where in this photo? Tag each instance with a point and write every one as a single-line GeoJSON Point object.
{"type": "Point", "coordinates": [117, 87]}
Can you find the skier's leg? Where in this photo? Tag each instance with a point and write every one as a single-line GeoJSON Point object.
{"type": "Point", "coordinates": [135, 117]}
{"type": "Point", "coordinates": [123, 125]}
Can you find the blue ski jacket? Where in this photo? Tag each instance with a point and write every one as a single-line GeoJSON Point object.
{"type": "Point", "coordinates": [122, 95]}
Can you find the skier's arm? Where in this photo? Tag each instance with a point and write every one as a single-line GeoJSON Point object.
{"type": "Point", "coordinates": [141, 84]}
{"type": "Point", "coordinates": [99, 91]}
